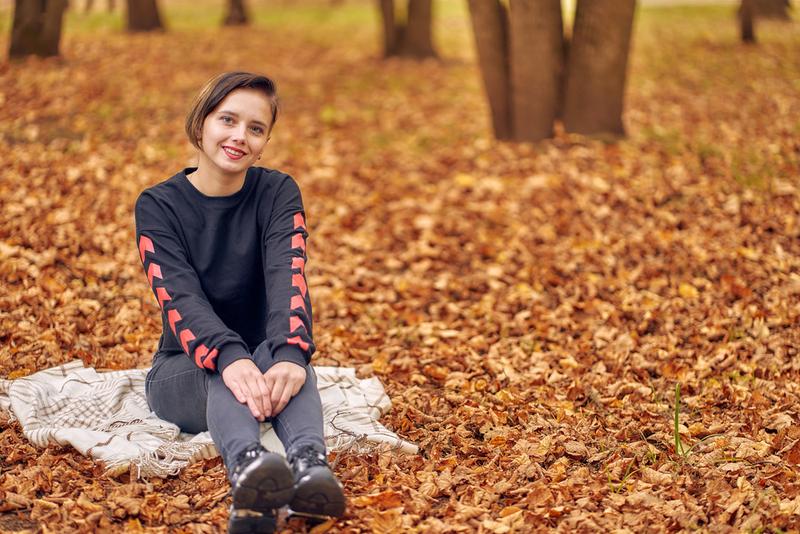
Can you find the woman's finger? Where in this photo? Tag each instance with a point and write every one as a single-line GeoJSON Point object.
{"type": "Point", "coordinates": [265, 396]}
{"type": "Point", "coordinates": [237, 392]}
{"type": "Point", "coordinates": [256, 386]}
{"type": "Point", "coordinates": [285, 398]}
{"type": "Point", "coordinates": [251, 402]}
{"type": "Point", "coordinates": [277, 389]}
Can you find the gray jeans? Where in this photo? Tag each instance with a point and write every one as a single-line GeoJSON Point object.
{"type": "Point", "coordinates": [198, 400]}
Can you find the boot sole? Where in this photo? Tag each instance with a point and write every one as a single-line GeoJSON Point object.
{"type": "Point", "coordinates": [266, 484]}
{"type": "Point", "coordinates": [249, 522]}
{"type": "Point", "coordinates": [318, 493]}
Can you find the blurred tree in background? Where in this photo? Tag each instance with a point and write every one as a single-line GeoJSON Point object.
{"type": "Point", "coordinates": [533, 73]}
{"type": "Point", "coordinates": [37, 27]}
{"type": "Point", "coordinates": [407, 32]}
{"type": "Point", "coordinates": [237, 14]}
{"type": "Point", "coordinates": [143, 16]}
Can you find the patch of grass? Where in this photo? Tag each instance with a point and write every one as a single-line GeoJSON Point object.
{"type": "Point", "coordinates": [669, 138]}
{"type": "Point", "coordinates": [693, 19]}
{"type": "Point", "coordinates": [706, 151]}
{"type": "Point", "coordinates": [751, 170]}
{"type": "Point", "coordinates": [618, 487]}
{"type": "Point", "coordinates": [682, 452]}
{"type": "Point", "coordinates": [182, 15]}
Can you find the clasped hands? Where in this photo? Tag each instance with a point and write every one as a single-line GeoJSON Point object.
{"type": "Point", "coordinates": [266, 394]}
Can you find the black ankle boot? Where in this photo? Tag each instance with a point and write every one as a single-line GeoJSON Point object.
{"type": "Point", "coordinates": [261, 482]}
{"type": "Point", "coordinates": [317, 490]}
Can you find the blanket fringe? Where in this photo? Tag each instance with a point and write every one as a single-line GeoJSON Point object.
{"type": "Point", "coordinates": [166, 460]}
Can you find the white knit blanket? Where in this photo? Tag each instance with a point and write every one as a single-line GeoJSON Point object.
{"type": "Point", "coordinates": [105, 416]}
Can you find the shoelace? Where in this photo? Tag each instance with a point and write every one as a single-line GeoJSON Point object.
{"type": "Point", "coordinates": [311, 457]}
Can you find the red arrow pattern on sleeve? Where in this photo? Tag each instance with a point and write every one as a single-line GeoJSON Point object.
{"type": "Point", "coordinates": [297, 302]}
{"type": "Point", "coordinates": [203, 357]}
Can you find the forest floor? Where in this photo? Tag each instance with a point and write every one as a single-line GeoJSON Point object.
{"type": "Point", "coordinates": [529, 308]}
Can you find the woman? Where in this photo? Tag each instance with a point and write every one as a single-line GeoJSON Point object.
{"type": "Point", "coordinates": [224, 249]}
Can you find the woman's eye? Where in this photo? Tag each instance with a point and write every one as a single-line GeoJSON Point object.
{"type": "Point", "coordinates": [226, 119]}
{"type": "Point", "coordinates": [257, 129]}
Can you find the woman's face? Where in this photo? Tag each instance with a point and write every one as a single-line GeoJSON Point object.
{"type": "Point", "coordinates": [236, 132]}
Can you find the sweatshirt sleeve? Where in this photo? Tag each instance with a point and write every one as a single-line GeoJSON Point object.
{"type": "Point", "coordinates": [289, 333]}
{"type": "Point", "coordinates": [205, 339]}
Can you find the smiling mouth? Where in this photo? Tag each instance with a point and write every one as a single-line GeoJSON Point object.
{"type": "Point", "coordinates": [233, 152]}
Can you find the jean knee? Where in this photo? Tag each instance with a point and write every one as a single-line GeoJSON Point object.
{"type": "Point", "coordinates": [180, 399]}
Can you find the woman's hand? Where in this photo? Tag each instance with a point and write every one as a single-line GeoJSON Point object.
{"type": "Point", "coordinates": [284, 380]}
{"type": "Point", "coordinates": [247, 384]}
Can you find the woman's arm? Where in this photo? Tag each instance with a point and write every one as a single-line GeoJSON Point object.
{"type": "Point", "coordinates": [289, 323]}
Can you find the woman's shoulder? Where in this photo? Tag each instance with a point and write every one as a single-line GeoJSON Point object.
{"type": "Point", "coordinates": [271, 177]}
{"type": "Point", "coordinates": [165, 188]}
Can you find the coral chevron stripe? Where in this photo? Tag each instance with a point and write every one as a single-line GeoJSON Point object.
{"type": "Point", "coordinates": [298, 242]}
{"type": "Point", "coordinates": [154, 271]}
{"type": "Point", "coordinates": [299, 222]}
{"type": "Point", "coordinates": [173, 317]}
{"type": "Point", "coordinates": [298, 303]}
{"type": "Point", "coordinates": [295, 323]}
{"type": "Point", "coordinates": [162, 295]}
{"type": "Point", "coordinates": [299, 281]}
{"type": "Point", "coordinates": [145, 245]}
{"type": "Point", "coordinates": [210, 361]}
{"type": "Point", "coordinates": [186, 336]}
{"type": "Point", "coordinates": [199, 354]}
{"type": "Point", "coordinates": [299, 263]}
{"type": "Point", "coordinates": [297, 341]}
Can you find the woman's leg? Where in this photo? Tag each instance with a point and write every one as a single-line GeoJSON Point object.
{"type": "Point", "coordinates": [300, 421]}
{"type": "Point", "coordinates": [196, 400]}
{"type": "Point", "coordinates": [299, 427]}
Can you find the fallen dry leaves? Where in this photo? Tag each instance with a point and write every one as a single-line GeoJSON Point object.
{"type": "Point", "coordinates": [529, 308]}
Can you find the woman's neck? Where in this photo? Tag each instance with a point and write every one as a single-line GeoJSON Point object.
{"type": "Point", "coordinates": [215, 184]}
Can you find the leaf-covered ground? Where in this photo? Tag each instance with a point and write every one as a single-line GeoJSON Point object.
{"type": "Point", "coordinates": [529, 308]}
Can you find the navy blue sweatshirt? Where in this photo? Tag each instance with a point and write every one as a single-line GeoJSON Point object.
{"type": "Point", "coordinates": [228, 272]}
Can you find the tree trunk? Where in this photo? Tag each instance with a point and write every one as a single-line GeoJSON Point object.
{"type": "Point", "coordinates": [490, 27]}
{"type": "Point", "coordinates": [412, 38]}
{"type": "Point", "coordinates": [36, 27]}
{"type": "Point", "coordinates": [747, 21]}
{"type": "Point", "coordinates": [143, 16]}
{"type": "Point", "coordinates": [597, 66]}
{"type": "Point", "coordinates": [417, 38]}
{"type": "Point", "coordinates": [390, 29]}
{"type": "Point", "coordinates": [237, 14]}
{"type": "Point", "coordinates": [536, 52]}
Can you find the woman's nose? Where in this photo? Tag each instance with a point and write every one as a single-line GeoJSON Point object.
{"type": "Point", "coordinates": [239, 134]}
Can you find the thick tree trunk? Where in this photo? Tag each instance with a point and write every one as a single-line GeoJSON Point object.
{"type": "Point", "coordinates": [237, 14]}
{"type": "Point", "coordinates": [36, 27]}
{"type": "Point", "coordinates": [597, 65]}
{"type": "Point", "coordinates": [413, 37]}
{"type": "Point", "coordinates": [490, 27]}
{"type": "Point", "coordinates": [143, 16]}
{"type": "Point", "coordinates": [390, 28]}
{"type": "Point", "coordinates": [536, 52]}
{"type": "Point", "coordinates": [747, 21]}
{"type": "Point", "coordinates": [417, 38]}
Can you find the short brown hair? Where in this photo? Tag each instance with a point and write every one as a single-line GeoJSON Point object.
{"type": "Point", "coordinates": [215, 91]}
